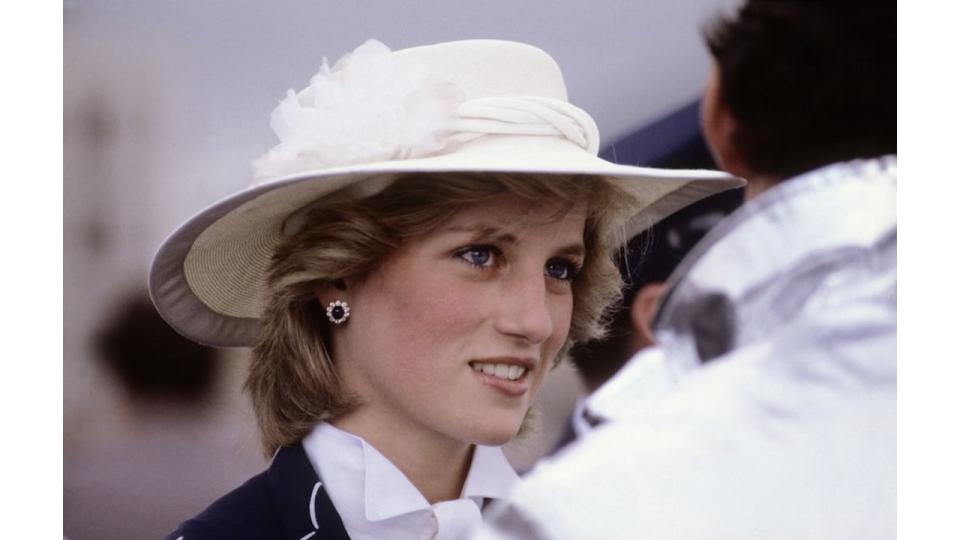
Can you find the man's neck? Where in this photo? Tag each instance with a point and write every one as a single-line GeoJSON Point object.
{"type": "Point", "coordinates": [758, 184]}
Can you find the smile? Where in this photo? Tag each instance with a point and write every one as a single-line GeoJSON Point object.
{"type": "Point", "coordinates": [507, 372]}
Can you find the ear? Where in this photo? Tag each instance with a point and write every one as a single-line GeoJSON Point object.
{"type": "Point", "coordinates": [330, 292]}
{"type": "Point", "coordinates": [642, 310]}
{"type": "Point", "coordinates": [719, 127]}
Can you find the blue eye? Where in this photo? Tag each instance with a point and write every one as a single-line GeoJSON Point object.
{"type": "Point", "coordinates": [480, 256]}
{"type": "Point", "coordinates": [561, 269]}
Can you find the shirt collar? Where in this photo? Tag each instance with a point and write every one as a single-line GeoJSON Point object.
{"type": "Point", "coordinates": [362, 482]}
{"type": "Point", "coordinates": [491, 476]}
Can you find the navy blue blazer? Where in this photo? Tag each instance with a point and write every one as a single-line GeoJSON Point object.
{"type": "Point", "coordinates": [285, 502]}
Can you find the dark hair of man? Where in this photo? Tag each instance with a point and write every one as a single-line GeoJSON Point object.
{"type": "Point", "coordinates": [808, 82]}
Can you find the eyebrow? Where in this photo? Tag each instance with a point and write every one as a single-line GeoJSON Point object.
{"type": "Point", "coordinates": [573, 250]}
{"type": "Point", "coordinates": [484, 232]}
{"type": "Point", "coordinates": [489, 233]}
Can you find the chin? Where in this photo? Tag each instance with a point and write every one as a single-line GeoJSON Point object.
{"type": "Point", "coordinates": [498, 439]}
{"type": "Point", "coordinates": [498, 433]}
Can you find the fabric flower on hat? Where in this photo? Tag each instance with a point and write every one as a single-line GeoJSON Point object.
{"type": "Point", "coordinates": [369, 107]}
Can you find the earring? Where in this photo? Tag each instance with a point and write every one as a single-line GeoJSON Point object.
{"type": "Point", "coordinates": [338, 312]}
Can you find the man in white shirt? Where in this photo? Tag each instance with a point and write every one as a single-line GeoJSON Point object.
{"type": "Point", "coordinates": [779, 328]}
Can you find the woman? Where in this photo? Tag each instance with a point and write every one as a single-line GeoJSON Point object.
{"type": "Point", "coordinates": [432, 232]}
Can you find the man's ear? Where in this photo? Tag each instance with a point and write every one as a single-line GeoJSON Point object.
{"type": "Point", "coordinates": [642, 310]}
{"type": "Point", "coordinates": [719, 128]}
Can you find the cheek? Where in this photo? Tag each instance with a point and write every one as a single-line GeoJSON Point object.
{"type": "Point", "coordinates": [562, 314]}
{"type": "Point", "coordinates": [427, 319]}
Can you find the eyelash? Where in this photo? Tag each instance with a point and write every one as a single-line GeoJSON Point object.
{"type": "Point", "coordinates": [572, 266]}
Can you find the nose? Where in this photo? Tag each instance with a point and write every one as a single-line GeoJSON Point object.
{"type": "Point", "coordinates": [525, 310]}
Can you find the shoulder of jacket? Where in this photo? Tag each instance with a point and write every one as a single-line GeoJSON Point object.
{"type": "Point", "coordinates": [248, 511]}
{"type": "Point", "coordinates": [197, 529]}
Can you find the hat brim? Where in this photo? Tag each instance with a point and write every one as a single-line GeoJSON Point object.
{"type": "Point", "coordinates": [208, 276]}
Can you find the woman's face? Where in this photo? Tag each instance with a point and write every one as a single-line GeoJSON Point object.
{"type": "Point", "coordinates": [454, 333]}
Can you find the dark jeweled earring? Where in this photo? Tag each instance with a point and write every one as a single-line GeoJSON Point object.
{"type": "Point", "coordinates": [338, 312]}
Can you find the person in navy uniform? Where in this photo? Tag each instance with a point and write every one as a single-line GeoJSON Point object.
{"type": "Point", "coordinates": [431, 234]}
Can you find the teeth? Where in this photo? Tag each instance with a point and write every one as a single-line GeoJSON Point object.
{"type": "Point", "coordinates": [501, 371]}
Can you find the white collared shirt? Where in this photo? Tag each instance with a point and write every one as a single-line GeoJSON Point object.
{"type": "Point", "coordinates": [375, 499]}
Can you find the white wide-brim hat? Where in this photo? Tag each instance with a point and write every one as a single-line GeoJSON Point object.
{"type": "Point", "coordinates": [465, 106]}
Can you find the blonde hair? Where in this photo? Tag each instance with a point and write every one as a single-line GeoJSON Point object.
{"type": "Point", "coordinates": [293, 381]}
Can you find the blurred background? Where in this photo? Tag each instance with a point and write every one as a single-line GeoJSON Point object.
{"type": "Point", "coordinates": [165, 105]}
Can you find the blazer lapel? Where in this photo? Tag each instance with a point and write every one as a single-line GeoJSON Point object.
{"type": "Point", "coordinates": [302, 503]}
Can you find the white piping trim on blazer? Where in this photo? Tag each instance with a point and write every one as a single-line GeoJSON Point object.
{"type": "Point", "coordinates": [313, 508]}
{"type": "Point", "coordinates": [313, 511]}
